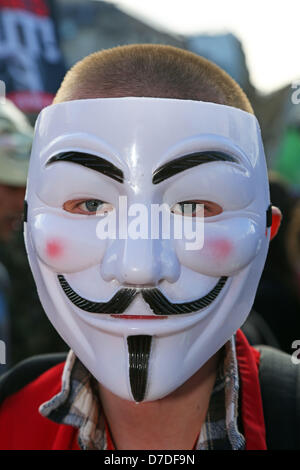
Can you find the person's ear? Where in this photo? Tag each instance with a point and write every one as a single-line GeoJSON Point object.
{"type": "Point", "coordinates": [276, 221]}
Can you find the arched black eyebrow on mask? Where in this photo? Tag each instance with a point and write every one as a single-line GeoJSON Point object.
{"type": "Point", "coordinates": [185, 162]}
{"type": "Point", "coordinates": [90, 161]}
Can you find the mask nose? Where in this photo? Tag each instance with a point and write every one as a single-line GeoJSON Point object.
{"type": "Point", "coordinates": [140, 262]}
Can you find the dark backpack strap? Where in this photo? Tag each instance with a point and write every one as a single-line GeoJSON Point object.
{"type": "Point", "coordinates": [280, 388]}
{"type": "Point", "coordinates": [26, 371]}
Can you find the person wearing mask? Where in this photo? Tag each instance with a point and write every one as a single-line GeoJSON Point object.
{"type": "Point", "coordinates": [153, 318]}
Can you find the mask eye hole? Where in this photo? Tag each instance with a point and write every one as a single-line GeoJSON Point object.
{"type": "Point", "coordinates": [194, 208]}
{"type": "Point", "coordinates": [88, 207]}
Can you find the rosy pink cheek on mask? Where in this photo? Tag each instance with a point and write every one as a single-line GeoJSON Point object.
{"type": "Point", "coordinates": [220, 248]}
{"type": "Point", "coordinates": [54, 248]}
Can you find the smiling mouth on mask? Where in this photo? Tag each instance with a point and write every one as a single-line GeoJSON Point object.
{"type": "Point", "coordinates": [157, 302]}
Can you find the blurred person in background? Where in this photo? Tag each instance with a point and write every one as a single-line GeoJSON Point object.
{"type": "Point", "coordinates": [20, 310]}
{"type": "Point", "coordinates": [293, 245]}
{"type": "Point", "coordinates": [277, 299]}
{"type": "Point", "coordinates": [15, 143]}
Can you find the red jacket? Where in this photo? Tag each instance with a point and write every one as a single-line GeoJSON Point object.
{"type": "Point", "coordinates": [22, 426]}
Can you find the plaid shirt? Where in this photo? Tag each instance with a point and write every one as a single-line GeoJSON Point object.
{"type": "Point", "coordinates": [78, 405]}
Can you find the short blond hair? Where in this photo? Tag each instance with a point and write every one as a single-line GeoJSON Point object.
{"type": "Point", "coordinates": [151, 71]}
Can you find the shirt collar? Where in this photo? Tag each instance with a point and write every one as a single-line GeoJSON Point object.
{"type": "Point", "coordinates": [78, 405]}
{"type": "Point", "coordinates": [220, 430]}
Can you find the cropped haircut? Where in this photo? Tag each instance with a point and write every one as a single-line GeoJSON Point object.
{"type": "Point", "coordinates": [148, 70]}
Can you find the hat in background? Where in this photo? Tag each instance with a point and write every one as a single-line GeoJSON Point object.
{"type": "Point", "coordinates": [16, 136]}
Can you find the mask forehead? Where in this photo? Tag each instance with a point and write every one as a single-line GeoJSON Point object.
{"type": "Point", "coordinates": [145, 132]}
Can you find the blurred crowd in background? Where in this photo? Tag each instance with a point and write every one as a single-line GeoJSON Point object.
{"type": "Point", "coordinates": [39, 41]}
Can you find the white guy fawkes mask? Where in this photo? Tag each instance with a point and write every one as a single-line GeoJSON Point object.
{"type": "Point", "coordinates": [143, 314]}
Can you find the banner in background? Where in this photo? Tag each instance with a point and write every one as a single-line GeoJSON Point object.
{"type": "Point", "coordinates": [31, 63]}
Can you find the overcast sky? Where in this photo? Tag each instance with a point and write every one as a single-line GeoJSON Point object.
{"type": "Point", "coordinates": [269, 31]}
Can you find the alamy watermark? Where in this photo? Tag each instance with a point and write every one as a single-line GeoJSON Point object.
{"type": "Point", "coordinates": [295, 357]}
{"type": "Point", "coordinates": [2, 352]}
{"type": "Point", "coordinates": [138, 221]}
{"type": "Point", "coordinates": [2, 92]}
{"type": "Point", "coordinates": [296, 94]}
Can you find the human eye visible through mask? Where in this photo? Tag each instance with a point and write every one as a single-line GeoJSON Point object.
{"type": "Point", "coordinates": [88, 207]}
{"type": "Point", "coordinates": [194, 208]}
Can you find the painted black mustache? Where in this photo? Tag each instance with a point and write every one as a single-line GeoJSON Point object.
{"type": "Point", "coordinates": [158, 303]}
